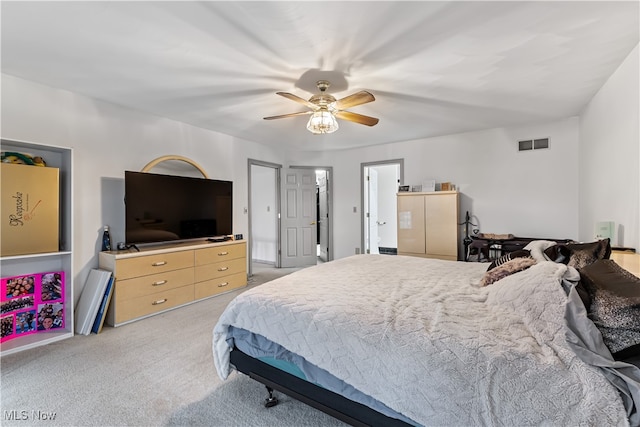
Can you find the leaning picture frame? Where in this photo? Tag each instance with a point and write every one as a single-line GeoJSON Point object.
{"type": "Point", "coordinates": [403, 188]}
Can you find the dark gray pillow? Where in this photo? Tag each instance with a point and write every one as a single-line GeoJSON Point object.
{"type": "Point", "coordinates": [579, 255]}
{"type": "Point", "coordinates": [615, 306]}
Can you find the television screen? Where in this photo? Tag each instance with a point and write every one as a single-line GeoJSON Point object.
{"type": "Point", "coordinates": [161, 208]}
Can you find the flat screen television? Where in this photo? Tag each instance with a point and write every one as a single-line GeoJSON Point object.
{"type": "Point", "coordinates": [163, 208]}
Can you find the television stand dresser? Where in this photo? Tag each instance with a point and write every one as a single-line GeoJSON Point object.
{"type": "Point", "coordinates": [161, 278]}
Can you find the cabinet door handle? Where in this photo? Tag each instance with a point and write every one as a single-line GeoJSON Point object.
{"type": "Point", "coordinates": [159, 263]}
{"type": "Point", "coordinates": [160, 301]}
{"type": "Point", "coordinates": [222, 285]}
{"type": "Point", "coordinates": [223, 268]}
{"type": "Point", "coordinates": [223, 253]}
{"type": "Point", "coordinates": [159, 282]}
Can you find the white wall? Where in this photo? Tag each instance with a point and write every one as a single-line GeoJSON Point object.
{"type": "Point", "coordinates": [530, 194]}
{"type": "Point", "coordinates": [610, 156]}
{"type": "Point", "coordinates": [107, 140]}
{"type": "Point", "coordinates": [533, 194]}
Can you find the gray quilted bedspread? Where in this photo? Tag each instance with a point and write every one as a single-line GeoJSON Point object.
{"type": "Point", "coordinates": [421, 337]}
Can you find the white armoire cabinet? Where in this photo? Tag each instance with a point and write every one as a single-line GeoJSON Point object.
{"type": "Point", "coordinates": [428, 224]}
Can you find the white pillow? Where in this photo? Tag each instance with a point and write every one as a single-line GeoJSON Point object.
{"type": "Point", "coordinates": [537, 247]}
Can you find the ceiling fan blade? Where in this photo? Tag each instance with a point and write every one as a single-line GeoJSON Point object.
{"type": "Point", "coordinates": [296, 98]}
{"type": "Point", "coordinates": [282, 116]}
{"type": "Point", "coordinates": [357, 118]}
{"type": "Point", "coordinates": [357, 98]}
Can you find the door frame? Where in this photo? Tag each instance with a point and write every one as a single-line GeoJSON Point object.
{"type": "Point", "coordinates": [329, 171]}
{"type": "Point", "coordinates": [278, 169]}
{"type": "Point", "coordinates": [362, 190]}
{"type": "Point", "coordinates": [323, 208]}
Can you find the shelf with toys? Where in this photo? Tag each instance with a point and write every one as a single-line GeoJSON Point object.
{"type": "Point", "coordinates": [36, 254]}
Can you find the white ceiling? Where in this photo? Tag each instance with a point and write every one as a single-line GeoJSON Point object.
{"type": "Point", "coordinates": [435, 68]}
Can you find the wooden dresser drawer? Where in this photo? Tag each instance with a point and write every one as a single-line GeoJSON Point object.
{"type": "Point", "coordinates": [220, 269]}
{"type": "Point", "coordinates": [149, 304]}
{"type": "Point", "coordinates": [151, 264]}
{"type": "Point", "coordinates": [153, 283]}
{"type": "Point", "coordinates": [220, 253]}
{"type": "Point", "coordinates": [224, 284]}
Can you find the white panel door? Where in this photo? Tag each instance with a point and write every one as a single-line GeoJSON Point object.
{"type": "Point", "coordinates": [298, 219]}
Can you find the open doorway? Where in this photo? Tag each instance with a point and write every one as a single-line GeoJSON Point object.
{"type": "Point", "coordinates": [306, 222]}
{"type": "Point", "coordinates": [263, 241]}
{"type": "Point", "coordinates": [380, 182]}
{"type": "Point", "coordinates": [322, 208]}
{"type": "Point", "coordinates": [290, 216]}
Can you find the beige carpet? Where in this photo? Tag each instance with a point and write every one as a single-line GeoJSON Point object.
{"type": "Point", "coordinates": [157, 371]}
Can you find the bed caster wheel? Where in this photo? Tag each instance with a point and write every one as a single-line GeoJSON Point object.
{"type": "Point", "coordinates": [271, 400]}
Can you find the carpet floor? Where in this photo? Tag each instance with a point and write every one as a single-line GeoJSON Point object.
{"type": "Point", "coordinates": [154, 372]}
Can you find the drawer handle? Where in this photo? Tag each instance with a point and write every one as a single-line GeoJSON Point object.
{"type": "Point", "coordinates": [159, 263]}
{"type": "Point", "coordinates": [160, 301]}
{"type": "Point", "coordinates": [223, 268]}
{"type": "Point", "coordinates": [159, 282]}
{"type": "Point", "coordinates": [223, 253]}
{"type": "Point", "coordinates": [222, 285]}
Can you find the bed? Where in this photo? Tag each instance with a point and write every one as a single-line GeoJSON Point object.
{"type": "Point", "coordinates": [396, 340]}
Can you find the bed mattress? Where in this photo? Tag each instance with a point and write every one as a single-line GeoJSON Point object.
{"type": "Point", "coordinates": [259, 347]}
{"type": "Point", "coordinates": [420, 337]}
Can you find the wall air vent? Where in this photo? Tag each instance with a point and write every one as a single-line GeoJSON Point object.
{"type": "Point", "coordinates": [533, 144]}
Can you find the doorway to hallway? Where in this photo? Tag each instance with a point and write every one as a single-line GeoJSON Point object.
{"type": "Point", "coordinates": [380, 181]}
{"type": "Point", "coordinates": [263, 242]}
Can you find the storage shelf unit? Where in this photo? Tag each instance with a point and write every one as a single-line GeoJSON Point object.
{"type": "Point", "coordinates": [16, 265]}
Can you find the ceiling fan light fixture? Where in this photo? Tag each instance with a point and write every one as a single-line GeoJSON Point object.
{"type": "Point", "coordinates": [322, 121]}
{"type": "Point", "coordinates": [324, 108]}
